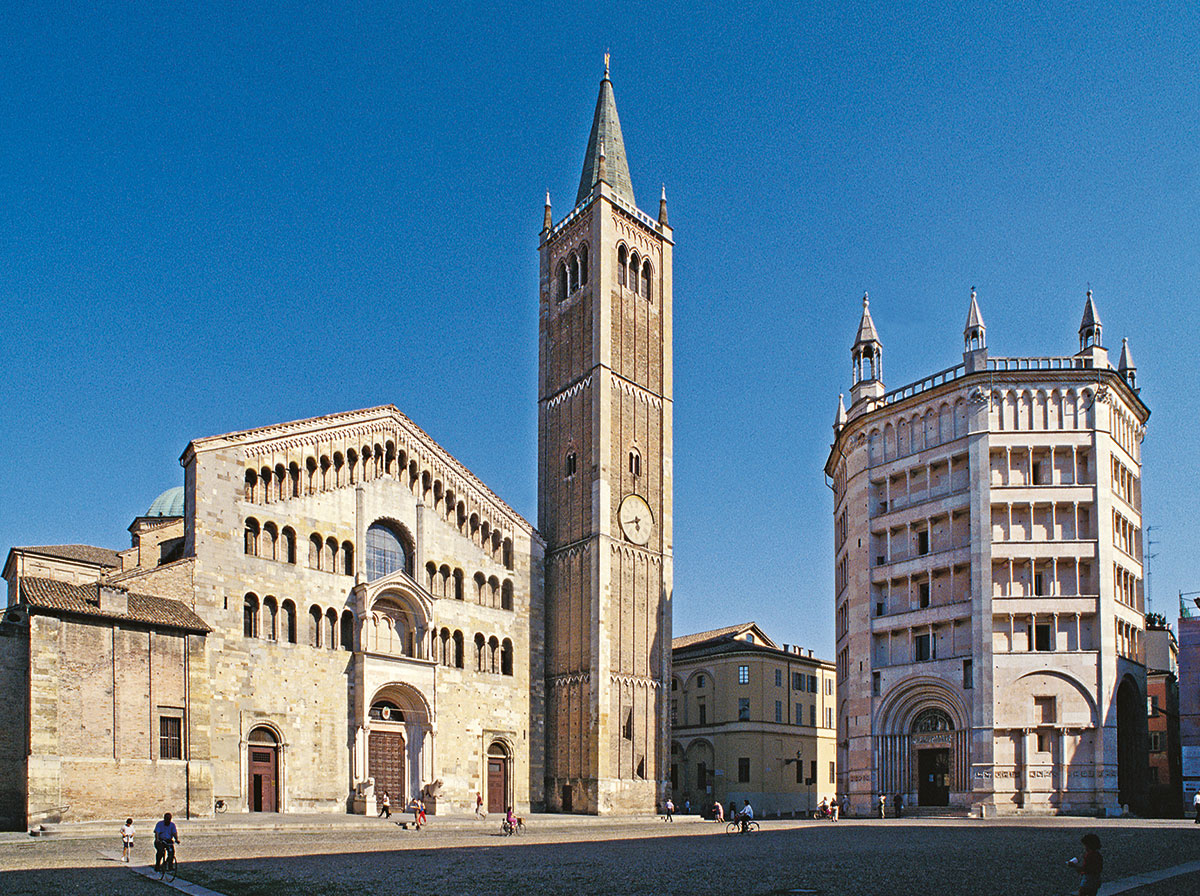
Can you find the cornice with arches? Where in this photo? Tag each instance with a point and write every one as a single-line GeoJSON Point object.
{"type": "Point", "coordinates": [638, 235]}
{"type": "Point", "coordinates": [568, 680]}
{"type": "Point", "coordinates": [569, 392]}
{"type": "Point", "coordinates": [645, 396]}
{"type": "Point", "coordinates": [641, 681]}
{"type": "Point", "coordinates": [634, 552]}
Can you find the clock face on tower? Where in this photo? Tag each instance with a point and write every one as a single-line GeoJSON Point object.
{"type": "Point", "coordinates": [636, 519]}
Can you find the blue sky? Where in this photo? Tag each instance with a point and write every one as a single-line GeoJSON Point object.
{"type": "Point", "coordinates": [222, 217]}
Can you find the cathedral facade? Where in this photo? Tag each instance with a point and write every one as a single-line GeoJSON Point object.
{"type": "Point", "coordinates": [988, 585]}
{"type": "Point", "coordinates": [335, 608]}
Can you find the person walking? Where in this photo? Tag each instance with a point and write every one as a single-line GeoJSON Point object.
{"type": "Point", "coordinates": [845, 805]}
{"type": "Point", "coordinates": [1196, 805]}
{"type": "Point", "coordinates": [420, 813]}
{"type": "Point", "coordinates": [1089, 867]}
{"type": "Point", "coordinates": [898, 805]}
{"type": "Point", "coordinates": [882, 806]}
{"type": "Point", "coordinates": [670, 807]}
{"type": "Point", "coordinates": [385, 806]}
{"type": "Point", "coordinates": [833, 808]}
{"type": "Point", "coordinates": [687, 807]}
{"type": "Point", "coordinates": [126, 839]}
{"type": "Point", "coordinates": [479, 805]}
{"type": "Point", "coordinates": [718, 812]}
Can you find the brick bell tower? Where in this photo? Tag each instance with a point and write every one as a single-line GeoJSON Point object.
{"type": "Point", "coordinates": [604, 486]}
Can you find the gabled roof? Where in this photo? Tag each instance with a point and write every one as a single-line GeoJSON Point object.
{"type": "Point", "coordinates": [313, 426]}
{"type": "Point", "coordinates": [606, 137]}
{"type": "Point", "coordinates": [80, 553]}
{"type": "Point", "coordinates": [866, 326]}
{"type": "Point", "coordinates": [728, 633]}
{"type": "Point", "coordinates": [56, 597]}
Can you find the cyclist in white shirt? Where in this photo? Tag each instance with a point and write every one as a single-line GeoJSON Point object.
{"type": "Point", "coordinates": [746, 814]}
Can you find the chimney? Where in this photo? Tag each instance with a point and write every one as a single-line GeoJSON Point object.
{"type": "Point", "coordinates": [113, 601]}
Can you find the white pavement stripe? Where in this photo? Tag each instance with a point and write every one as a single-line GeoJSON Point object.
{"type": "Point", "coordinates": [148, 872]}
{"type": "Point", "coordinates": [1150, 877]}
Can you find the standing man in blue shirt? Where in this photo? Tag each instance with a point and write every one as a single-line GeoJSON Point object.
{"type": "Point", "coordinates": [166, 835]}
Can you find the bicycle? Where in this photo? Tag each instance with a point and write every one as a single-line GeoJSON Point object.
{"type": "Point", "coordinates": [517, 827]}
{"type": "Point", "coordinates": [735, 827]}
{"type": "Point", "coordinates": [169, 867]}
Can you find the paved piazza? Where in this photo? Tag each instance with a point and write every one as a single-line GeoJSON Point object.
{"type": "Point", "coordinates": [922, 856]}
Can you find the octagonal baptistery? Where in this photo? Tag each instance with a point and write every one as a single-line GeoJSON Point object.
{"type": "Point", "coordinates": [989, 605]}
{"type": "Point", "coordinates": [376, 615]}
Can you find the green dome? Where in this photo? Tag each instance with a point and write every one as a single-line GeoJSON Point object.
{"type": "Point", "coordinates": [169, 503]}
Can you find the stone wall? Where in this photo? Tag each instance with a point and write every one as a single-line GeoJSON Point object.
{"type": "Point", "coordinates": [98, 691]}
{"type": "Point", "coordinates": [14, 697]}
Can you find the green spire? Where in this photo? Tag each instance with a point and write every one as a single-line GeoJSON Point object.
{"type": "Point", "coordinates": [606, 140]}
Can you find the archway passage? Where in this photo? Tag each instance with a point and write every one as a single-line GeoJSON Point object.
{"type": "Point", "coordinates": [263, 771]}
{"type": "Point", "coordinates": [498, 777]}
{"type": "Point", "coordinates": [1132, 752]}
{"type": "Point", "coordinates": [386, 760]}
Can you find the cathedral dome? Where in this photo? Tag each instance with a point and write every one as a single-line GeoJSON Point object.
{"type": "Point", "coordinates": [169, 503]}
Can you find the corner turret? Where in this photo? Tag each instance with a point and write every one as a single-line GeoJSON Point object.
{"type": "Point", "coordinates": [1126, 367]}
{"type": "Point", "coordinates": [975, 338]}
{"type": "Point", "coordinates": [867, 355]}
{"type": "Point", "coordinates": [1091, 346]}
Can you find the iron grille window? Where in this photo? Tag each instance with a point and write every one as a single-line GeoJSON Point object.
{"type": "Point", "coordinates": [743, 770]}
{"type": "Point", "coordinates": [778, 710]}
{"type": "Point", "coordinates": [743, 709]}
{"type": "Point", "coordinates": [170, 737]}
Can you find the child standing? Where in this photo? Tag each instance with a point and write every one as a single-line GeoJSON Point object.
{"type": "Point", "coordinates": [1089, 867]}
{"type": "Point", "coordinates": [126, 839]}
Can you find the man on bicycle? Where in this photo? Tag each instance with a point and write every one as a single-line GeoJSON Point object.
{"type": "Point", "coordinates": [745, 815]}
{"type": "Point", "coordinates": [166, 835]}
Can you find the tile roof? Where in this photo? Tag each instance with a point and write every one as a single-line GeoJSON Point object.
{"type": "Point", "coordinates": [84, 600]}
{"type": "Point", "coordinates": [83, 553]}
{"type": "Point", "coordinates": [716, 634]}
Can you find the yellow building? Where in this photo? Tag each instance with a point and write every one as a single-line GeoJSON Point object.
{"type": "Point", "coordinates": [751, 720]}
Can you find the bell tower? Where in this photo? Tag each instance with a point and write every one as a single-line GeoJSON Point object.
{"type": "Point", "coordinates": [604, 485]}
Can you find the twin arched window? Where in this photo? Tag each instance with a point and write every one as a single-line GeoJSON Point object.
{"type": "Point", "coordinates": [633, 272]}
{"type": "Point", "coordinates": [572, 272]}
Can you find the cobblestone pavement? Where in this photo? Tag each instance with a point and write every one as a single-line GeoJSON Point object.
{"type": "Point", "coordinates": [926, 857]}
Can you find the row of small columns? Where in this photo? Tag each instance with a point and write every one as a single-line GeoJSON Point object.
{"type": "Point", "coordinates": [1028, 452]}
{"type": "Point", "coordinates": [1076, 618]}
{"type": "Point", "coordinates": [1053, 563]}
{"type": "Point", "coordinates": [1055, 517]}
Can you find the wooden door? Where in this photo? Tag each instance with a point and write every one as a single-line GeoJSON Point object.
{"type": "Point", "coordinates": [933, 767]}
{"type": "Point", "coordinates": [497, 784]}
{"type": "Point", "coordinates": [264, 778]}
{"type": "Point", "coordinates": [385, 759]}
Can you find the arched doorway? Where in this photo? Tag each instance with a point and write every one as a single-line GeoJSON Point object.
{"type": "Point", "coordinates": [262, 749]}
{"type": "Point", "coordinates": [385, 752]}
{"type": "Point", "coordinates": [499, 777]}
{"type": "Point", "coordinates": [932, 735]}
{"type": "Point", "coordinates": [1132, 751]}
